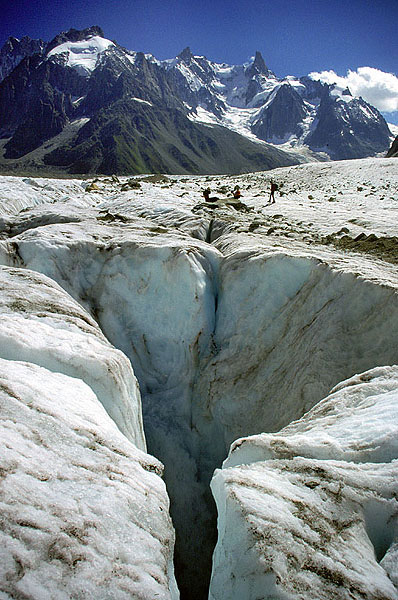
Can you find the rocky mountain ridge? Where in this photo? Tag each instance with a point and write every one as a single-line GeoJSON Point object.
{"type": "Point", "coordinates": [83, 104]}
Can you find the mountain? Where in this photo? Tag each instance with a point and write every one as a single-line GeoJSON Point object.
{"type": "Point", "coordinates": [290, 112]}
{"type": "Point", "coordinates": [83, 104]}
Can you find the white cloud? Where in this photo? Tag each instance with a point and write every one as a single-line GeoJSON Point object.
{"type": "Point", "coordinates": [375, 86]}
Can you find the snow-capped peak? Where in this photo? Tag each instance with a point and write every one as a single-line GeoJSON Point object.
{"type": "Point", "coordinates": [82, 55]}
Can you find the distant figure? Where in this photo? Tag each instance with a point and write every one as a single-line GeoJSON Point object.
{"type": "Point", "coordinates": [236, 193]}
{"type": "Point", "coordinates": [206, 195]}
{"type": "Point", "coordinates": [274, 188]}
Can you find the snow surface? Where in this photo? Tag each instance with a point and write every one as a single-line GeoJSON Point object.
{"type": "Point", "coordinates": [84, 512]}
{"type": "Point", "coordinates": [236, 319]}
{"type": "Point", "coordinates": [142, 101]}
{"type": "Point", "coordinates": [311, 512]}
{"type": "Point", "coordinates": [41, 324]}
{"type": "Point", "coordinates": [82, 56]}
{"type": "Point", "coordinates": [393, 128]}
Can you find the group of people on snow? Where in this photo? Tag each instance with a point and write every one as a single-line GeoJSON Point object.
{"type": "Point", "coordinates": [236, 193]}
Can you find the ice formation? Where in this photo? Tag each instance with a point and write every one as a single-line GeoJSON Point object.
{"type": "Point", "coordinates": [84, 510]}
{"type": "Point", "coordinates": [311, 512]}
{"type": "Point", "coordinates": [40, 324]}
{"type": "Point", "coordinates": [235, 323]}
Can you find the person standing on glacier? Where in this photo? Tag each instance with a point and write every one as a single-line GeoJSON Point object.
{"type": "Point", "coordinates": [274, 188]}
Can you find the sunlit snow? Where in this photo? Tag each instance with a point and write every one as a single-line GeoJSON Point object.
{"type": "Point", "coordinates": [82, 56]}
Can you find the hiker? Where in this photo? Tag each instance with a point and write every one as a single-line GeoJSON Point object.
{"type": "Point", "coordinates": [274, 188]}
{"type": "Point", "coordinates": [236, 193]}
{"type": "Point", "coordinates": [206, 195]}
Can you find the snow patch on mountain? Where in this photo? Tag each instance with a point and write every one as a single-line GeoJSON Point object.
{"type": "Point", "coordinates": [142, 101]}
{"type": "Point", "coordinates": [82, 56]}
{"type": "Point", "coordinates": [394, 129]}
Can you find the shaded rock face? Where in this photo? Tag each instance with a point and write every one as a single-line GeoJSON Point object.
{"type": "Point", "coordinates": [346, 131]}
{"type": "Point", "coordinates": [282, 117]}
{"type": "Point", "coordinates": [15, 50]}
{"type": "Point", "coordinates": [258, 67]}
{"type": "Point", "coordinates": [36, 101]}
{"type": "Point", "coordinates": [393, 151]}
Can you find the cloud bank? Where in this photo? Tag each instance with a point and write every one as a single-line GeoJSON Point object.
{"type": "Point", "coordinates": [375, 86]}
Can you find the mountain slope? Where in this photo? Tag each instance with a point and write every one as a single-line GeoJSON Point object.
{"type": "Point", "coordinates": [301, 111]}
{"type": "Point", "coordinates": [132, 117]}
{"type": "Point", "coordinates": [15, 50]}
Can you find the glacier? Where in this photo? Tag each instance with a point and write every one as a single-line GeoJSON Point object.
{"type": "Point", "coordinates": [237, 324]}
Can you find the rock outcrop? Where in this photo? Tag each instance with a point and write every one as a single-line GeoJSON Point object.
{"type": "Point", "coordinates": [393, 151]}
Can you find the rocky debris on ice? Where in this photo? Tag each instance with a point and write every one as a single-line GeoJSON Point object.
{"type": "Point", "coordinates": [311, 512]}
{"type": "Point", "coordinates": [84, 512]}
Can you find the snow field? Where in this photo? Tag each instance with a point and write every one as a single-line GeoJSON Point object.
{"type": "Point", "coordinates": [82, 56]}
{"type": "Point", "coordinates": [18, 193]}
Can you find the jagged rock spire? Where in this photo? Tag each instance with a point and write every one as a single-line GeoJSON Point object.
{"type": "Point", "coordinates": [259, 62]}
{"type": "Point", "coordinates": [258, 66]}
{"type": "Point", "coordinates": [186, 55]}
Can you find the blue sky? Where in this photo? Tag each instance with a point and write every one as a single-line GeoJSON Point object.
{"type": "Point", "coordinates": [294, 36]}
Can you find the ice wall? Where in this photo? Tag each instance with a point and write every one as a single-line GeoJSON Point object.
{"type": "Point", "coordinates": [85, 511]}
{"type": "Point", "coordinates": [41, 324]}
{"type": "Point", "coordinates": [289, 328]}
